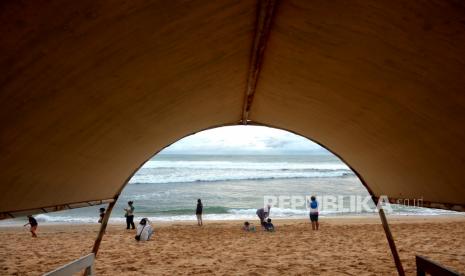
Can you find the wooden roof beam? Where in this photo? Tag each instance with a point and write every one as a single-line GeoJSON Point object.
{"type": "Point", "coordinates": [265, 11]}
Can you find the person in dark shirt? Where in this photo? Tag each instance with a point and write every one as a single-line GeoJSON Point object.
{"type": "Point", "coordinates": [34, 224]}
{"type": "Point", "coordinates": [102, 215]}
{"type": "Point", "coordinates": [198, 212]}
{"type": "Point", "coordinates": [263, 213]}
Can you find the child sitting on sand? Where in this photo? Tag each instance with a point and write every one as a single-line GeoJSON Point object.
{"type": "Point", "coordinates": [269, 226]}
{"type": "Point", "coordinates": [248, 227]}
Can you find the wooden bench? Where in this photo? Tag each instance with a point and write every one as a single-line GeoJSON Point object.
{"type": "Point", "coordinates": [425, 266]}
{"type": "Point", "coordinates": [86, 262]}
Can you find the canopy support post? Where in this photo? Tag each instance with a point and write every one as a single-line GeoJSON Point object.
{"type": "Point", "coordinates": [392, 245]}
{"type": "Point", "coordinates": [103, 227]}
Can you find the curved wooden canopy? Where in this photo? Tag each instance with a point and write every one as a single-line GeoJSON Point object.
{"type": "Point", "coordinates": [90, 90]}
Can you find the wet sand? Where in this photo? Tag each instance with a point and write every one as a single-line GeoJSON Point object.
{"type": "Point", "coordinates": [343, 246]}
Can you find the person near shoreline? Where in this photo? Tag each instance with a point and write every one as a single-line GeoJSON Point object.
{"type": "Point", "coordinates": [263, 213]}
{"type": "Point", "coordinates": [144, 230]}
{"type": "Point", "coordinates": [130, 216]}
{"type": "Point", "coordinates": [314, 213]}
{"type": "Point", "coordinates": [34, 225]}
{"type": "Point", "coordinates": [102, 214]}
{"type": "Point", "coordinates": [198, 212]}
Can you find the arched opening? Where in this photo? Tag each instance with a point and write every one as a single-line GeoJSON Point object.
{"type": "Point", "coordinates": [257, 161]}
{"type": "Point", "coordinates": [233, 168]}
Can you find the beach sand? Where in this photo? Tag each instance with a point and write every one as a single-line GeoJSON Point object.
{"type": "Point", "coordinates": [343, 246]}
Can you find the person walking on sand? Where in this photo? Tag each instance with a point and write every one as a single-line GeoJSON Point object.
{"type": "Point", "coordinates": [314, 213]}
{"type": "Point", "coordinates": [263, 213]}
{"type": "Point", "coordinates": [198, 212]}
{"type": "Point", "coordinates": [130, 215]}
{"type": "Point", "coordinates": [34, 224]}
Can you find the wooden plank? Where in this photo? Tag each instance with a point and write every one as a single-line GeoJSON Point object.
{"type": "Point", "coordinates": [425, 265]}
{"type": "Point", "coordinates": [392, 245]}
{"type": "Point", "coordinates": [75, 266]}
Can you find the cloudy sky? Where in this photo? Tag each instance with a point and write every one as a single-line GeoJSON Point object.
{"type": "Point", "coordinates": [244, 140]}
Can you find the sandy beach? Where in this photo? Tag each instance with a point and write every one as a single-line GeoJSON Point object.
{"type": "Point", "coordinates": [343, 246]}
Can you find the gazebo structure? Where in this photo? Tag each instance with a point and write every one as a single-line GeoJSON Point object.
{"type": "Point", "coordinates": [90, 90]}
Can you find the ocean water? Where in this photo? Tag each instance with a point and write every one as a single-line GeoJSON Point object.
{"type": "Point", "coordinates": [167, 187]}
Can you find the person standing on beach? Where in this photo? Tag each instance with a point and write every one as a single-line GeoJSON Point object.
{"type": "Point", "coordinates": [314, 213]}
{"type": "Point", "coordinates": [198, 212]}
{"type": "Point", "coordinates": [34, 224]}
{"type": "Point", "coordinates": [130, 216]}
{"type": "Point", "coordinates": [263, 213]}
{"type": "Point", "coordinates": [102, 215]}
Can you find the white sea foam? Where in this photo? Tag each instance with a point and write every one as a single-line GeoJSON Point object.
{"type": "Point", "coordinates": [210, 171]}
{"type": "Point", "coordinates": [232, 214]}
{"type": "Point", "coordinates": [270, 166]}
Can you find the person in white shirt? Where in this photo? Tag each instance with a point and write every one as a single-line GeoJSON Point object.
{"type": "Point", "coordinates": [144, 230]}
{"type": "Point", "coordinates": [129, 214]}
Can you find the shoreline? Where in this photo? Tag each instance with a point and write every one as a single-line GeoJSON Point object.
{"type": "Point", "coordinates": [333, 219]}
